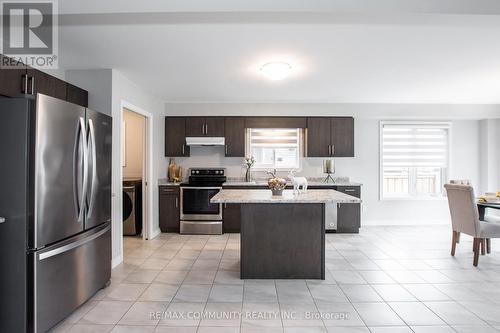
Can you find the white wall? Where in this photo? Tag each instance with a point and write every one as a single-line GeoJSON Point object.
{"type": "Point", "coordinates": [134, 144]}
{"type": "Point", "coordinates": [124, 90]}
{"type": "Point", "coordinates": [364, 168]}
{"type": "Point", "coordinates": [490, 155]}
{"type": "Point", "coordinates": [98, 83]}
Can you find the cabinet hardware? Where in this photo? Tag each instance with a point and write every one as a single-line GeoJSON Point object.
{"type": "Point", "coordinates": [25, 84]}
{"type": "Point", "coordinates": [206, 129]}
{"type": "Point", "coordinates": [2, 220]}
{"type": "Point", "coordinates": [349, 190]}
{"type": "Point", "coordinates": [333, 150]}
{"type": "Point", "coordinates": [31, 79]}
{"type": "Point", "coordinates": [167, 190]}
{"type": "Point", "coordinates": [329, 150]}
{"type": "Point", "coordinates": [203, 129]}
{"type": "Point", "coordinates": [176, 202]}
{"type": "Point", "coordinates": [226, 149]}
{"type": "Point", "coordinates": [225, 205]}
{"type": "Point", "coordinates": [183, 149]}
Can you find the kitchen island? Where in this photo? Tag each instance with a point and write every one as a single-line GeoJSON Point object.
{"type": "Point", "coordinates": [282, 237]}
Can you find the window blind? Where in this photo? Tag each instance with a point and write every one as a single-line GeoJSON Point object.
{"type": "Point", "coordinates": [415, 145]}
{"type": "Point", "coordinates": [286, 137]}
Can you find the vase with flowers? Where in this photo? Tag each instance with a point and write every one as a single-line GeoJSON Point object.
{"type": "Point", "coordinates": [248, 164]}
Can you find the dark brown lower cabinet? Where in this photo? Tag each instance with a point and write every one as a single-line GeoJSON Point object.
{"type": "Point", "coordinates": [349, 215]}
{"type": "Point", "coordinates": [169, 214]}
{"type": "Point", "coordinates": [231, 218]}
{"type": "Point", "coordinates": [348, 218]}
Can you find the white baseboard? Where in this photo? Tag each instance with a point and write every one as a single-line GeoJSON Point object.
{"type": "Point", "coordinates": [155, 233]}
{"type": "Point", "coordinates": [116, 261]}
{"type": "Point", "coordinates": [403, 222]}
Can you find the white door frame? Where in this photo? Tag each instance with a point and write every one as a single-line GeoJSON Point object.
{"type": "Point", "coordinates": [147, 171]}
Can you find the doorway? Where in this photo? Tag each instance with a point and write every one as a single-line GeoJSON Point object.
{"type": "Point", "coordinates": [136, 172]}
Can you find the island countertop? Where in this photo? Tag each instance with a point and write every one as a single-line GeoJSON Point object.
{"type": "Point", "coordinates": [265, 196]}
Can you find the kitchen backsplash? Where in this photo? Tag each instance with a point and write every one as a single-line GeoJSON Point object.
{"type": "Point", "coordinates": [214, 157]}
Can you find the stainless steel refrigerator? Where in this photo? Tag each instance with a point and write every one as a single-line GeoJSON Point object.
{"type": "Point", "coordinates": [55, 210]}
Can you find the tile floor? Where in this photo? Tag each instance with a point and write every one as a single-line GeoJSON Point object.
{"type": "Point", "coordinates": [386, 279]}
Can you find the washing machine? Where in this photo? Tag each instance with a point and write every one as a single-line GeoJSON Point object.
{"type": "Point", "coordinates": [132, 207]}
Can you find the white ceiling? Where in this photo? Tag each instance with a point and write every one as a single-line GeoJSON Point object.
{"type": "Point", "coordinates": [401, 52]}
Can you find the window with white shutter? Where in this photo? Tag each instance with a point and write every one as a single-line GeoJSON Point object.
{"type": "Point", "coordinates": [414, 159]}
{"type": "Point", "coordinates": [274, 148]}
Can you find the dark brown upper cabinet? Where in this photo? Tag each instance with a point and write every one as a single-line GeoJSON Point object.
{"type": "Point", "coordinates": [342, 136]}
{"type": "Point", "coordinates": [204, 126]}
{"type": "Point", "coordinates": [318, 137]}
{"type": "Point", "coordinates": [13, 81]}
{"type": "Point", "coordinates": [275, 122]}
{"type": "Point", "coordinates": [235, 136]}
{"type": "Point", "coordinates": [195, 126]}
{"type": "Point", "coordinates": [77, 95]}
{"type": "Point", "coordinates": [330, 137]}
{"type": "Point", "coordinates": [43, 83]}
{"type": "Point", "coordinates": [175, 137]}
{"type": "Point", "coordinates": [23, 79]}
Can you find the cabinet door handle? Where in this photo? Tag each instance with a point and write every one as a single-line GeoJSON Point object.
{"type": "Point", "coordinates": [226, 149]}
{"type": "Point", "coordinates": [329, 150]}
{"type": "Point", "coordinates": [25, 84]}
{"type": "Point", "coordinates": [166, 190]}
{"type": "Point", "coordinates": [206, 129]}
{"type": "Point", "coordinates": [203, 129]}
{"type": "Point", "coordinates": [349, 190]}
{"type": "Point", "coordinates": [183, 149]}
{"type": "Point", "coordinates": [32, 84]}
{"type": "Point", "coordinates": [176, 202]}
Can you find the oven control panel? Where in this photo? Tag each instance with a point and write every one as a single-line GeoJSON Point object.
{"type": "Point", "coordinates": [207, 172]}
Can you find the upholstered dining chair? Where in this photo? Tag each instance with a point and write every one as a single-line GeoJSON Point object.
{"type": "Point", "coordinates": [465, 219]}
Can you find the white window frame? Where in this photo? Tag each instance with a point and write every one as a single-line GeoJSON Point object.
{"type": "Point", "coordinates": [447, 124]}
{"type": "Point", "coordinates": [248, 150]}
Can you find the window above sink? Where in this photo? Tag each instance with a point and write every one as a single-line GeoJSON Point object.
{"type": "Point", "coordinates": [274, 148]}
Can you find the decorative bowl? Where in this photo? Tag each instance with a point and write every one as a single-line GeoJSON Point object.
{"type": "Point", "coordinates": [277, 185]}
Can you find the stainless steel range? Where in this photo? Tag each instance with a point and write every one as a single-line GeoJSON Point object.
{"type": "Point", "coordinates": [198, 215]}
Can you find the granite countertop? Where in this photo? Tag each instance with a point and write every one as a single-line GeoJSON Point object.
{"type": "Point", "coordinates": [265, 196]}
{"type": "Point", "coordinates": [165, 182]}
{"type": "Point", "coordinates": [309, 182]}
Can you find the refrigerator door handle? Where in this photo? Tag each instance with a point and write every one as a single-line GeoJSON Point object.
{"type": "Point", "coordinates": [94, 166]}
{"type": "Point", "coordinates": [73, 245]}
{"type": "Point", "coordinates": [85, 168]}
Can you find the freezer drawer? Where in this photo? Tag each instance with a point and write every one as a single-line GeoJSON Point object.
{"type": "Point", "coordinates": [68, 274]}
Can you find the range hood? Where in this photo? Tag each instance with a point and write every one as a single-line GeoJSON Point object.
{"type": "Point", "coordinates": [205, 141]}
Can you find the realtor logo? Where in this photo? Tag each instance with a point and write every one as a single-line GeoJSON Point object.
{"type": "Point", "coordinates": [29, 32]}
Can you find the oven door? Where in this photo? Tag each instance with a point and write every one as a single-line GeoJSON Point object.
{"type": "Point", "coordinates": [195, 204]}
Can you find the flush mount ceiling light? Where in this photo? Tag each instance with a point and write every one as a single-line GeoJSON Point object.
{"type": "Point", "coordinates": [276, 70]}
